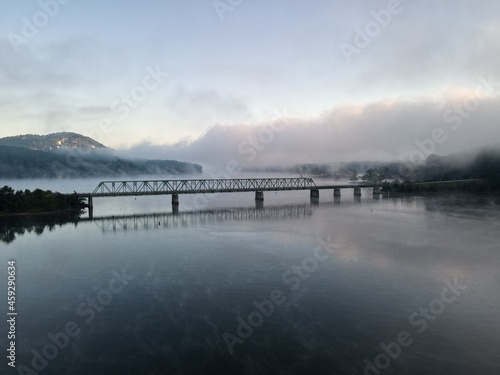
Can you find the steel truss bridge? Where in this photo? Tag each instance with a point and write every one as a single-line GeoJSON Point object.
{"type": "Point", "coordinates": [194, 218]}
{"type": "Point", "coordinates": [204, 186]}
{"type": "Point", "coordinates": [161, 187]}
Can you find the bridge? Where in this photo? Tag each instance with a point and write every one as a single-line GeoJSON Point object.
{"type": "Point", "coordinates": [206, 186]}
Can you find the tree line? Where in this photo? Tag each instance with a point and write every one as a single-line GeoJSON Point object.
{"type": "Point", "coordinates": [37, 201]}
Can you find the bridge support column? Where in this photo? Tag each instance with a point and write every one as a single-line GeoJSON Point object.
{"type": "Point", "coordinates": [314, 196]}
{"type": "Point", "coordinates": [336, 192]}
{"type": "Point", "coordinates": [90, 206]}
{"type": "Point", "coordinates": [376, 190]}
{"type": "Point", "coordinates": [357, 192]}
{"type": "Point", "coordinates": [175, 199]}
{"type": "Point", "coordinates": [259, 195]}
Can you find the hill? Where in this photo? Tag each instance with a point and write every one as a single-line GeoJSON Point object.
{"type": "Point", "coordinates": [53, 142]}
{"type": "Point", "coordinates": [71, 155]}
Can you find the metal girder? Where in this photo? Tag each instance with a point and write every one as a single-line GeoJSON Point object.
{"type": "Point", "coordinates": [157, 187]}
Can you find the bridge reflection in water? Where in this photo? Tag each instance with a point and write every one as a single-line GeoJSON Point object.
{"type": "Point", "coordinates": [195, 218]}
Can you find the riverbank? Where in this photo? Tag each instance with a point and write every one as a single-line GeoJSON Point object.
{"type": "Point", "coordinates": [38, 203]}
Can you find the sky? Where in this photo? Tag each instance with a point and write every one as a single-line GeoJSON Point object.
{"type": "Point", "coordinates": [258, 82]}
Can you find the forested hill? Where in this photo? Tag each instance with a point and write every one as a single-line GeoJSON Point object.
{"type": "Point", "coordinates": [17, 162]}
{"type": "Point", "coordinates": [53, 142]}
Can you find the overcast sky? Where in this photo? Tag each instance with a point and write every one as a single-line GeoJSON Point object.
{"type": "Point", "coordinates": [310, 81]}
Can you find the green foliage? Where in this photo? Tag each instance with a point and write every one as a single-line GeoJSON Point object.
{"type": "Point", "coordinates": [37, 201]}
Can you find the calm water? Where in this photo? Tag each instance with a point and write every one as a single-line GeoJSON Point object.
{"type": "Point", "coordinates": [291, 288]}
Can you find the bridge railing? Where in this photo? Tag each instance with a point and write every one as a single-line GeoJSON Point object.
{"type": "Point", "coordinates": [153, 187]}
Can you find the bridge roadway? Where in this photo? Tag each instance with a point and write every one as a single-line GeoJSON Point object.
{"type": "Point", "coordinates": [204, 186]}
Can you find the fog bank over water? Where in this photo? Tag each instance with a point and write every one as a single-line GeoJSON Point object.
{"type": "Point", "coordinates": [383, 130]}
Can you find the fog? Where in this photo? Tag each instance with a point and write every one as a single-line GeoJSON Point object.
{"type": "Point", "coordinates": [380, 131]}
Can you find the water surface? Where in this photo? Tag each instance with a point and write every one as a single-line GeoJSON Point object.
{"type": "Point", "coordinates": [188, 280]}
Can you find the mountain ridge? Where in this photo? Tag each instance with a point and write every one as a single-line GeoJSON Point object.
{"type": "Point", "coordinates": [53, 141]}
{"type": "Point", "coordinates": [72, 155]}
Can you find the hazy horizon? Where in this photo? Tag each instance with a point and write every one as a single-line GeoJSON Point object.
{"type": "Point", "coordinates": [257, 83]}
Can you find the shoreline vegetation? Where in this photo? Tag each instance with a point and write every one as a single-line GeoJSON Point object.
{"type": "Point", "coordinates": [38, 203]}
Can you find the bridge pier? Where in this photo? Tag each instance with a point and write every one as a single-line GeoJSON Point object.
{"type": "Point", "coordinates": [357, 192]}
{"type": "Point", "coordinates": [259, 195]}
{"type": "Point", "coordinates": [314, 196]}
{"type": "Point", "coordinates": [376, 190]}
{"type": "Point", "coordinates": [175, 199]}
{"type": "Point", "coordinates": [336, 192]}
{"type": "Point", "coordinates": [90, 207]}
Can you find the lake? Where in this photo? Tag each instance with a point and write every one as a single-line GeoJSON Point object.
{"type": "Point", "coordinates": [395, 285]}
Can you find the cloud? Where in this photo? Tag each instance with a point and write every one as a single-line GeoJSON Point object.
{"type": "Point", "coordinates": [382, 130]}
{"type": "Point", "coordinates": [204, 106]}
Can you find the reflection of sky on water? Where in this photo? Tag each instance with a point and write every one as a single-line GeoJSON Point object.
{"type": "Point", "coordinates": [195, 278]}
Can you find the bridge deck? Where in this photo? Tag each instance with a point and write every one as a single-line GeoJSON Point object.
{"type": "Point", "coordinates": [162, 187]}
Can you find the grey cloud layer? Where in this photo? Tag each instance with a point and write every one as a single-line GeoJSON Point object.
{"type": "Point", "coordinates": [266, 56]}
{"type": "Point", "coordinates": [380, 131]}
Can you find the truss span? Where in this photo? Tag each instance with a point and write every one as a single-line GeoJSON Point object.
{"type": "Point", "coordinates": [160, 187]}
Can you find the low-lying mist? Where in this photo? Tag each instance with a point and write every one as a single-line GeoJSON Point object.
{"type": "Point", "coordinates": [409, 130]}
